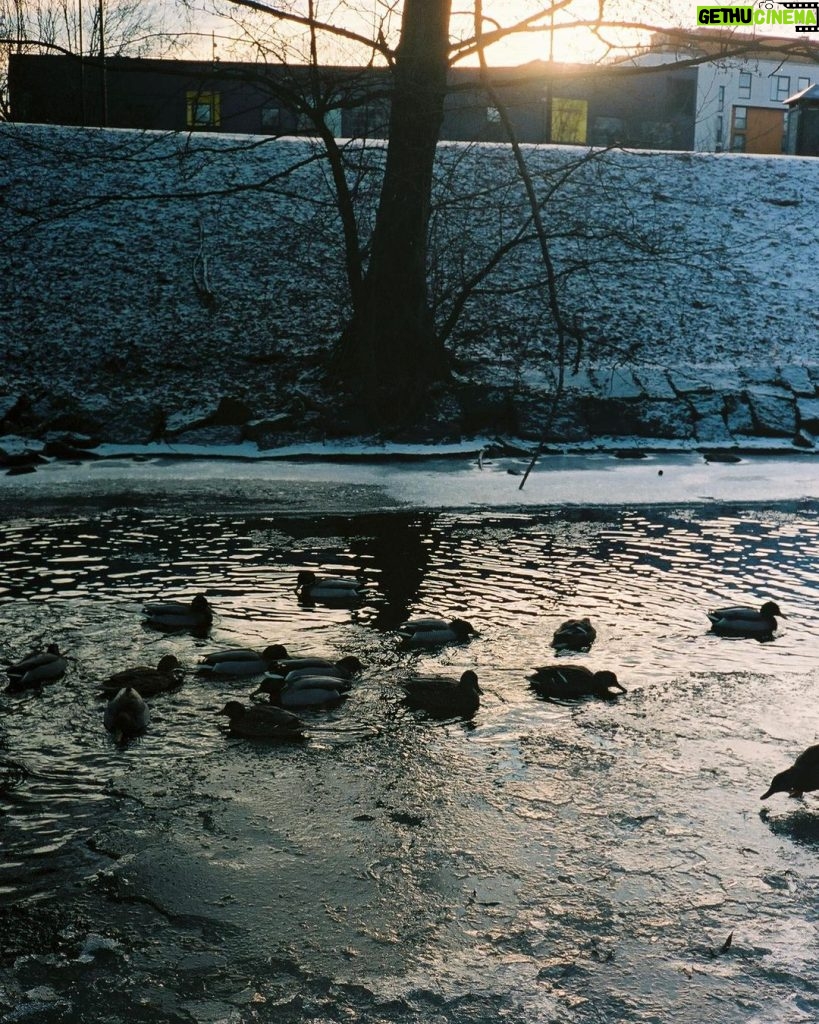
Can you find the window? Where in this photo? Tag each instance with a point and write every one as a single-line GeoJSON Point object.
{"type": "Point", "coordinates": [740, 118]}
{"type": "Point", "coordinates": [738, 143]}
{"type": "Point", "coordinates": [780, 87]}
{"type": "Point", "coordinates": [203, 110]}
{"type": "Point", "coordinates": [802, 83]}
{"type": "Point", "coordinates": [721, 98]}
{"type": "Point", "coordinates": [745, 85]}
{"type": "Point", "coordinates": [718, 139]}
{"type": "Point", "coordinates": [272, 117]}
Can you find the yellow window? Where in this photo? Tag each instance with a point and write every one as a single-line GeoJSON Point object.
{"type": "Point", "coordinates": [204, 110]}
{"type": "Point", "coordinates": [569, 118]}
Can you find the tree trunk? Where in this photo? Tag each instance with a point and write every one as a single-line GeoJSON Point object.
{"type": "Point", "coordinates": [390, 351]}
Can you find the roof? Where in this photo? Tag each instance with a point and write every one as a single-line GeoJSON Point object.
{"type": "Point", "coordinates": [809, 93]}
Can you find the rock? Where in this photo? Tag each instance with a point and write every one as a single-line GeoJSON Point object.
{"type": "Point", "coordinates": [663, 418]}
{"type": "Point", "coordinates": [797, 379]}
{"type": "Point", "coordinates": [804, 440]}
{"type": "Point", "coordinates": [711, 428]}
{"type": "Point", "coordinates": [808, 409]}
{"type": "Point", "coordinates": [618, 383]}
{"type": "Point", "coordinates": [263, 429]}
{"type": "Point", "coordinates": [772, 413]}
{"type": "Point", "coordinates": [654, 381]}
{"type": "Point", "coordinates": [210, 435]}
{"type": "Point", "coordinates": [231, 412]}
{"type": "Point", "coordinates": [190, 419]}
{"type": "Point", "coordinates": [685, 384]}
{"type": "Point", "coordinates": [738, 416]}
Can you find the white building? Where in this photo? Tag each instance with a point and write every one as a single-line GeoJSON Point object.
{"type": "Point", "coordinates": [740, 97]}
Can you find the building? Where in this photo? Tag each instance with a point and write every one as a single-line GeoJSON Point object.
{"type": "Point", "coordinates": [547, 102]}
{"type": "Point", "coordinates": [742, 89]}
{"type": "Point", "coordinates": [803, 122]}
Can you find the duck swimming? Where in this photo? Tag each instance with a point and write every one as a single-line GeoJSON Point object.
{"type": "Point", "coordinates": [242, 661]}
{"type": "Point", "coordinates": [440, 695]}
{"type": "Point", "coordinates": [147, 682]}
{"type": "Point", "coordinates": [36, 668]}
{"type": "Point", "coordinates": [435, 632]}
{"type": "Point", "coordinates": [344, 668]}
{"type": "Point", "coordinates": [801, 777]}
{"type": "Point", "coordinates": [336, 591]}
{"type": "Point", "coordinates": [742, 621]}
{"type": "Point", "coordinates": [304, 691]}
{"type": "Point", "coordinates": [171, 615]}
{"type": "Point", "coordinates": [574, 635]}
{"type": "Point", "coordinates": [573, 681]}
{"type": "Point", "coordinates": [262, 721]}
{"type": "Point", "coordinates": [126, 714]}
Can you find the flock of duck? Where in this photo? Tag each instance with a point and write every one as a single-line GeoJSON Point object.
{"type": "Point", "coordinates": [289, 684]}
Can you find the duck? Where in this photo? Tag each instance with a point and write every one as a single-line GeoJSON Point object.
{"type": "Point", "coordinates": [331, 590]}
{"type": "Point", "coordinates": [170, 615]}
{"type": "Point", "coordinates": [36, 668]}
{"type": "Point", "coordinates": [435, 632]}
{"type": "Point", "coordinates": [801, 777]}
{"type": "Point", "coordinates": [441, 695]}
{"type": "Point", "coordinates": [262, 721]}
{"type": "Point", "coordinates": [147, 682]}
{"type": "Point", "coordinates": [305, 691]}
{"type": "Point", "coordinates": [743, 621]}
{"type": "Point", "coordinates": [344, 668]}
{"type": "Point", "coordinates": [574, 635]}
{"type": "Point", "coordinates": [242, 661]}
{"type": "Point", "coordinates": [572, 681]}
{"type": "Point", "coordinates": [126, 714]}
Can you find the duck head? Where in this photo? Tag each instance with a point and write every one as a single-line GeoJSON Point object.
{"type": "Point", "coordinates": [463, 629]}
{"type": "Point", "coordinates": [769, 609]}
{"type": "Point", "coordinates": [607, 681]}
{"type": "Point", "coordinates": [784, 782]}
{"type": "Point", "coordinates": [469, 681]}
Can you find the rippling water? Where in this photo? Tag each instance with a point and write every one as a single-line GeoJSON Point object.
{"type": "Point", "coordinates": [544, 862]}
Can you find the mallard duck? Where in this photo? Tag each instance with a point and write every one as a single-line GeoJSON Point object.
{"type": "Point", "coordinates": [147, 681]}
{"type": "Point", "coordinates": [801, 777]}
{"type": "Point", "coordinates": [435, 632]}
{"type": "Point", "coordinates": [440, 695]}
{"type": "Point", "coordinates": [344, 668]}
{"type": "Point", "coordinates": [742, 621]}
{"type": "Point", "coordinates": [36, 668]}
{"type": "Point", "coordinates": [574, 635]}
{"type": "Point", "coordinates": [262, 721]}
{"type": "Point", "coordinates": [242, 661]}
{"type": "Point", "coordinates": [330, 590]}
{"type": "Point", "coordinates": [304, 691]}
{"type": "Point", "coordinates": [126, 714]}
{"type": "Point", "coordinates": [570, 681]}
{"type": "Point", "coordinates": [170, 615]}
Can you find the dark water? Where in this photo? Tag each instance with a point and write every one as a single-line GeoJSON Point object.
{"type": "Point", "coordinates": [544, 862]}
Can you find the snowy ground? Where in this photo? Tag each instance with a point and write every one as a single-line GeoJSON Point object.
{"type": "Point", "coordinates": [677, 267]}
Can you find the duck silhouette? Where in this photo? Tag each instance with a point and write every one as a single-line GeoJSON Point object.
{"type": "Point", "coordinates": [262, 721]}
{"type": "Point", "coordinates": [147, 682]}
{"type": "Point", "coordinates": [744, 621]}
{"type": "Point", "coordinates": [126, 714]}
{"type": "Point", "coordinates": [801, 777]}
{"type": "Point", "coordinates": [35, 669]}
{"type": "Point", "coordinates": [241, 661]}
{"type": "Point", "coordinates": [338, 591]}
{"type": "Point", "coordinates": [574, 635]}
{"type": "Point", "coordinates": [177, 615]}
{"type": "Point", "coordinates": [574, 681]}
{"type": "Point", "coordinates": [441, 695]}
{"type": "Point", "coordinates": [435, 632]}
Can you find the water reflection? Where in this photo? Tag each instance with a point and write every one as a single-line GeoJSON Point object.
{"type": "Point", "coordinates": [485, 857]}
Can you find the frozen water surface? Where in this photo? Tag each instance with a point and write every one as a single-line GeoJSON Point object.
{"type": "Point", "coordinates": [544, 862]}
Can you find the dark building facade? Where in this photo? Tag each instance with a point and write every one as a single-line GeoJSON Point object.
{"type": "Point", "coordinates": [581, 104]}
